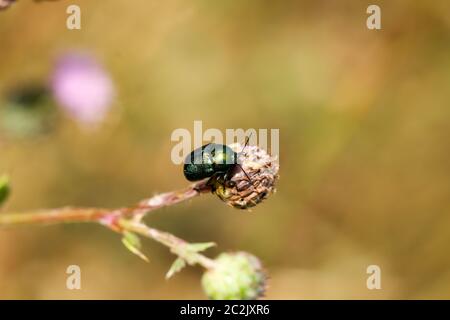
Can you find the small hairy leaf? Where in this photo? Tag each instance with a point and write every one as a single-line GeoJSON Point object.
{"type": "Point", "coordinates": [132, 242]}
{"type": "Point", "coordinates": [177, 265]}
{"type": "Point", "coordinates": [199, 247]}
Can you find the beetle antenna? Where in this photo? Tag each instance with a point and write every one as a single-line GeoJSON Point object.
{"type": "Point", "coordinates": [246, 141]}
{"type": "Point", "coordinates": [245, 173]}
{"type": "Point", "coordinates": [245, 145]}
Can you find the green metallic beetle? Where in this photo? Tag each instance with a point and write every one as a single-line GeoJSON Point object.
{"type": "Point", "coordinates": [212, 161]}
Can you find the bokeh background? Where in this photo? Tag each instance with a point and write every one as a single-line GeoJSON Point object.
{"type": "Point", "coordinates": [364, 144]}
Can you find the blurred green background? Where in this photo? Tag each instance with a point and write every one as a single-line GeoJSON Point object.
{"type": "Point", "coordinates": [364, 144]}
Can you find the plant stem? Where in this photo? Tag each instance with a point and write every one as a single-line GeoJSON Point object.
{"type": "Point", "coordinates": [62, 215]}
{"type": "Point", "coordinates": [107, 217]}
{"type": "Point", "coordinates": [123, 219]}
{"type": "Point", "coordinates": [175, 244]}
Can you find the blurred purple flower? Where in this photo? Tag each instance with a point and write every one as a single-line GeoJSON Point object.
{"type": "Point", "coordinates": [82, 87]}
{"type": "Point", "coordinates": [5, 3]}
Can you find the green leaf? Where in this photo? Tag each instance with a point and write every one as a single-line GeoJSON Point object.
{"type": "Point", "coordinates": [4, 188]}
{"type": "Point", "coordinates": [177, 265]}
{"type": "Point", "coordinates": [200, 246]}
{"type": "Point", "coordinates": [132, 242]}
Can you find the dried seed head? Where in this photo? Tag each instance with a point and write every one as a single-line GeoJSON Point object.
{"type": "Point", "coordinates": [262, 169]}
{"type": "Point", "coordinates": [235, 276]}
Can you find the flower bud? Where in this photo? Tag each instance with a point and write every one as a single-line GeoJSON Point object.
{"type": "Point", "coordinates": [251, 184]}
{"type": "Point", "coordinates": [235, 276]}
{"type": "Point", "coordinates": [4, 188]}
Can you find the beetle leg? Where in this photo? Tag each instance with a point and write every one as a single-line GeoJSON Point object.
{"type": "Point", "coordinates": [211, 181]}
